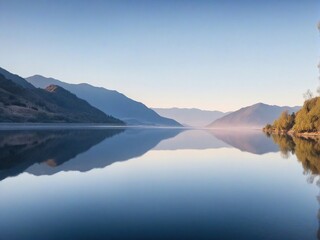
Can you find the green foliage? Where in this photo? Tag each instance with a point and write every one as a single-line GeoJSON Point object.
{"type": "Point", "coordinates": [285, 143]}
{"type": "Point", "coordinates": [308, 118]}
{"type": "Point", "coordinates": [284, 123]}
{"type": "Point", "coordinates": [268, 127]}
{"type": "Point", "coordinates": [306, 150]}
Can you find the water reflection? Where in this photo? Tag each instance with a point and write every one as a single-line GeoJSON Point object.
{"type": "Point", "coordinates": [252, 141]}
{"type": "Point", "coordinates": [193, 185]}
{"type": "Point", "coordinates": [192, 139]}
{"type": "Point", "coordinates": [307, 152]}
{"type": "Point", "coordinates": [48, 152]}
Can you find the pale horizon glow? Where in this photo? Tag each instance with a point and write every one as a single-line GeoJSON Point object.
{"type": "Point", "coordinates": [211, 55]}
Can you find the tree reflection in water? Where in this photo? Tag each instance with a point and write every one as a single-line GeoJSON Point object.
{"type": "Point", "coordinates": [307, 152]}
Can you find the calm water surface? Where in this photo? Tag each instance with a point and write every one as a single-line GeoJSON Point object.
{"type": "Point", "coordinates": [157, 184]}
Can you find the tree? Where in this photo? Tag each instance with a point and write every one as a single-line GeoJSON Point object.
{"type": "Point", "coordinates": [318, 90]}
{"type": "Point", "coordinates": [308, 118]}
{"type": "Point", "coordinates": [308, 95]}
{"type": "Point", "coordinates": [285, 122]}
{"type": "Point", "coordinates": [268, 128]}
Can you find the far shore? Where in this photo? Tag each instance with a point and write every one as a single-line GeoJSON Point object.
{"type": "Point", "coordinates": [46, 126]}
{"type": "Point", "coordinates": [30, 126]}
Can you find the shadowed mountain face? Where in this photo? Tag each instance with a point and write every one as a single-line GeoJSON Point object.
{"type": "Point", "coordinates": [248, 141]}
{"type": "Point", "coordinates": [110, 102]}
{"type": "Point", "coordinates": [16, 79]}
{"type": "Point", "coordinates": [190, 116]}
{"type": "Point", "coordinates": [44, 152]}
{"type": "Point", "coordinates": [255, 116]}
{"type": "Point", "coordinates": [20, 102]}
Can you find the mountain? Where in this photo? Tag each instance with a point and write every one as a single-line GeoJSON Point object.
{"type": "Point", "coordinates": [255, 116]}
{"type": "Point", "coordinates": [109, 101]}
{"type": "Point", "coordinates": [190, 116]}
{"type": "Point", "coordinates": [20, 102]}
{"type": "Point", "coordinates": [16, 79]}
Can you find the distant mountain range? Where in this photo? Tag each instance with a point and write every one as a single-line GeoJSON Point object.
{"type": "Point", "coordinates": [255, 116]}
{"type": "Point", "coordinates": [46, 100]}
{"type": "Point", "coordinates": [190, 116]}
{"type": "Point", "coordinates": [22, 102]}
{"type": "Point", "coordinates": [109, 101]}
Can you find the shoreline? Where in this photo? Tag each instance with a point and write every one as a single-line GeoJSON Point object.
{"type": "Point", "coordinates": [305, 135]}
{"type": "Point", "coordinates": [96, 126]}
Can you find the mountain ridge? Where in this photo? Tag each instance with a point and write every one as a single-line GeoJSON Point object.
{"type": "Point", "coordinates": [16, 79]}
{"type": "Point", "coordinates": [253, 116]}
{"type": "Point", "coordinates": [21, 103]}
{"type": "Point", "coordinates": [109, 101]}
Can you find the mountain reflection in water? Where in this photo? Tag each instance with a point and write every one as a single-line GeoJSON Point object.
{"type": "Point", "coordinates": [48, 152]}
{"type": "Point", "coordinates": [252, 141]}
{"type": "Point", "coordinates": [192, 184]}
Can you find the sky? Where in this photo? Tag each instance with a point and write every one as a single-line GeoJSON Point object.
{"type": "Point", "coordinates": [215, 55]}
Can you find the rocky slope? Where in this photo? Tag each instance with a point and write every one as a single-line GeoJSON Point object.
{"type": "Point", "coordinates": [20, 102]}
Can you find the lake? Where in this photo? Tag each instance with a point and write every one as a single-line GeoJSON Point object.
{"type": "Point", "coordinates": [140, 183]}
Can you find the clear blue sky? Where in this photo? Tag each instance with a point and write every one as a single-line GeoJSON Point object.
{"type": "Point", "coordinates": [206, 54]}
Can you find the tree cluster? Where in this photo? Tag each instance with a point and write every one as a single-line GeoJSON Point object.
{"type": "Point", "coordinates": [307, 119]}
{"type": "Point", "coordinates": [284, 123]}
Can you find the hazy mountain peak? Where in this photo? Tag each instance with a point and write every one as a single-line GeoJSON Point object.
{"type": "Point", "coordinates": [42, 81]}
{"type": "Point", "coordinates": [260, 104]}
{"type": "Point", "coordinates": [190, 116]}
{"type": "Point", "coordinates": [254, 116]}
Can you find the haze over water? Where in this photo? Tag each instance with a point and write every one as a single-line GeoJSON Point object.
{"type": "Point", "coordinates": [155, 184]}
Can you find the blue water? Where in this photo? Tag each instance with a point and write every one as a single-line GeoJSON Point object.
{"type": "Point", "coordinates": [153, 184]}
